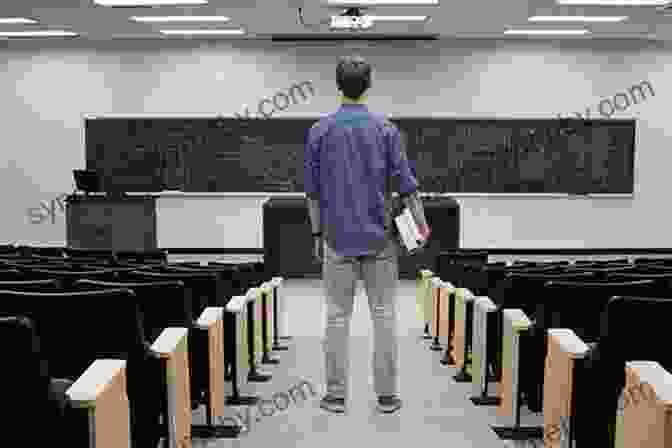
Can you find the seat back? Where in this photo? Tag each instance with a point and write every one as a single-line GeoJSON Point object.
{"type": "Point", "coordinates": [7, 249]}
{"type": "Point", "coordinates": [79, 327]}
{"type": "Point", "coordinates": [631, 329]}
{"type": "Point", "coordinates": [11, 275]}
{"type": "Point", "coordinates": [524, 290]}
{"type": "Point", "coordinates": [69, 277]}
{"type": "Point", "coordinates": [163, 304]}
{"type": "Point", "coordinates": [117, 269]}
{"type": "Point", "coordinates": [27, 380]}
{"type": "Point", "coordinates": [228, 275]}
{"type": "Point", "coordinates": [656, 263]}
{"type": "Point", "coordinates": [602, 272]}
{"type": "Point", "coordinates": [494, 274]}
{"type": "Point", "coordinates": [31, 266]}
{"type": "Point", "coordinates": [251, 274]}
{"type": "Point", "coordinates": [31, 285]}
{"type": "Point", "coordinates": [462, 269]}
{"type": "Point", "coordinates": [579, 305]}
{"type": "Point", "coordinates": [89, 253]}
{"type": "Point", "coordinates": [202, 287]}
{"type": "Point", "coordinates": [143, 257]}
{"type": "Point", "coordinates": [663, 280]}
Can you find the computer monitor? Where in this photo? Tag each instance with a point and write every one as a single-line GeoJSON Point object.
{"type": "Point", "coordinates": [87, 180]}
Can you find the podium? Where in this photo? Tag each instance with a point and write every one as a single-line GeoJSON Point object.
{"type": "Point", "coordinates": [118, 223]}
{"type": "Point", "coordinates": [288, 244]}
{"type": "Point", "coordinates": [288, 241]}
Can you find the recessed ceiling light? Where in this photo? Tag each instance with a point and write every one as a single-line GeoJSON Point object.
{"type": "Point", "coordinates": [577, 19]}
{"type": "Point", "coordinates": [548, 32]}
{"type": "Point", "coordinates": [19, 20]}
{"type": "Point", "coordinates": [166, 19]}
{"type": "Point", "coordinates": [398, 18]}
{"type": "Point", "coordinates": [613, 2]}
{"type": "Point", "coordinates": [132, 3]}
{"type": "Point", "coordinates": [48, 33]}
{"type": "Point", "coordinates": [204, 32]}
{"type": "Point", "coordinates": [382, 2]}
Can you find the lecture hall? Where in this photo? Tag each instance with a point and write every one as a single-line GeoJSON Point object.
{"type": "Point", "coordinates": [177, 272]}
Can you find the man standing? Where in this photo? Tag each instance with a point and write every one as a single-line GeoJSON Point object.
{"type": "Point", "coordinates": [349, 157]}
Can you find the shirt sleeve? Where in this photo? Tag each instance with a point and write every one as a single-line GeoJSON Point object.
{"type": "Point", "coordinates": [398, 160]}
{"type": "Point", "coordinates": [312, 163]}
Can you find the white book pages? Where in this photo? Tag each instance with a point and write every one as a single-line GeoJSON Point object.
{"type": "Point", "coordinates": [406, 232]}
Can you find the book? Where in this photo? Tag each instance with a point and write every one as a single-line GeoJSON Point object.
{"type": "Point", "coordinates": [410, 233]}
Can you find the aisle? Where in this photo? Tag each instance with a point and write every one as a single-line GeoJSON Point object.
{"type": "Point", "coordinates": [436, 409]}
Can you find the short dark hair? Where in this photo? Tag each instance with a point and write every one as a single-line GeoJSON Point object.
{"type": "Point", "coordinates": [353, 76]}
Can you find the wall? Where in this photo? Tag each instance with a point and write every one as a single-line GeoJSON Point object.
{"type": "Point", "coordinates": [47, 88]}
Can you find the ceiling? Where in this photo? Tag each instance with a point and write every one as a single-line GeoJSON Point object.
{"type": "Point", "coordinates": [265, 18]}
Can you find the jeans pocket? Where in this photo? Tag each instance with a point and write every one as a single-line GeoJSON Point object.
{"type": "Point", "coordinates": [390, 250]}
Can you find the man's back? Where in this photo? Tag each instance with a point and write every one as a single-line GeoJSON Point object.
{"type": "Point", "coordinates": [349, 155]}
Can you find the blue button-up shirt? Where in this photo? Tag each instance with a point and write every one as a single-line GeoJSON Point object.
{"type": "Point", "coordinates": [348, 156]}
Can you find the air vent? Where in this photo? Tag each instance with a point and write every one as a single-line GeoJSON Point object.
{"type": "Point", "coordinates": [346, 37]}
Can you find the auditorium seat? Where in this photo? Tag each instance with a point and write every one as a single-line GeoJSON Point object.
{"type": "Point", "coordinates": [658, 261]}
{"type": "Point", "coordinates": [206, 289]}
{"type": "Point", "coordinates": [525, 291]}
{"type": "Point", "coordinates": [632, 329]}
{"type": "Point", "coordinates": [7, 249]}
{"type": "Point", "coordinates": [578, 306]}
{"type": "Point", "coordinates": [142, 257]}
{"type": "Point", "coordinates": [31, 285]}
{"type": "Point", "coordinates": [647, 402]}
{"type": "Point", "coordinates": [46, 251]}
{"type": "Point", "coordinates": [41, 264]}
{"type": "Point", "coordinates": [232, 283]}
{"type": "Point", "coordinates": [604, 263]}
{"type": "Point", "coordinates": [69, 277]}
{"type": "Point", "coordinates": [663, 280]}
{"type": "Point", "coordinates": [11, 275]}
{"type": "Point", "coordinates": [96, 317]}
{"type": "Point", "coordinates": [602, 272]}
{"type": "Point", "coordinates": [165, 304]}
{"type": "Point", "coordinates": [45, 411]}
{"type": "Point", "coordinates": [50, 258]}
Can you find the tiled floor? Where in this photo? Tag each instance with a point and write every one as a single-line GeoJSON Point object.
{"type": "Point", "coordinates": [436, 409]}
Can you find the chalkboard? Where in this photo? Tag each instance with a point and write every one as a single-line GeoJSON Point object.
{"type": "Point", "coordinates": [449, 154]}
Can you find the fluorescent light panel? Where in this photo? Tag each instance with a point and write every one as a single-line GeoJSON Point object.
{"type": "Point", "coordinates": [577, 19]}
{"type": "Point", "coordinates": [398, 18]}
{"type": "Point", "coordinates": [383, 3]}
{"type": "Point", "coordinates": [182, 19]}
{"type": "Point", "coordinates": [149, 2]}
{"type": "Point", "coordinates": [613, 2]}
{"type": "Point", "coordinates": [47, 33]}
{"type": "Point", "coordinates": [548, 32]}
{"type": "Point", "coordinates": [204, 32]}
{"type": "Point", "coordinates": [17, 20]}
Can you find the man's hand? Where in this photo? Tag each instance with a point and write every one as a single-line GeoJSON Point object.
{"type": "Point", "coordinates": [425, 232]}
{"type": "Point", "coordinates": [318, 248]}
{"type": "Point", "coordinates": [421, 247]}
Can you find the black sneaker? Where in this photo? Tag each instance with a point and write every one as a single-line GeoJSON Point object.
{"type": "Point", "coordinates": [333, 404]}
{"type": "Point", "coordinates": [389, 404]}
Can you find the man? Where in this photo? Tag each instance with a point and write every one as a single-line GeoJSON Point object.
{"type": "Point", "coordinates": [349, 156]}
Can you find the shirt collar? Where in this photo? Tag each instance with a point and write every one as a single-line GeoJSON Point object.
{"type": "Point", "coordinates": [347, 102]}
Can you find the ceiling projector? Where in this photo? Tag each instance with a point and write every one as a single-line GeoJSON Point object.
{"type": "Point", "coordinates": [351, 19]}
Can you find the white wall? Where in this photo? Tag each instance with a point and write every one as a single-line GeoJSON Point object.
{"type": "Point", "coordinates": [47, 89]}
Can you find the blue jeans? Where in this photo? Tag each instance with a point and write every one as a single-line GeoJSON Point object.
{"type": "Point", "coordinates": [380, 273]}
